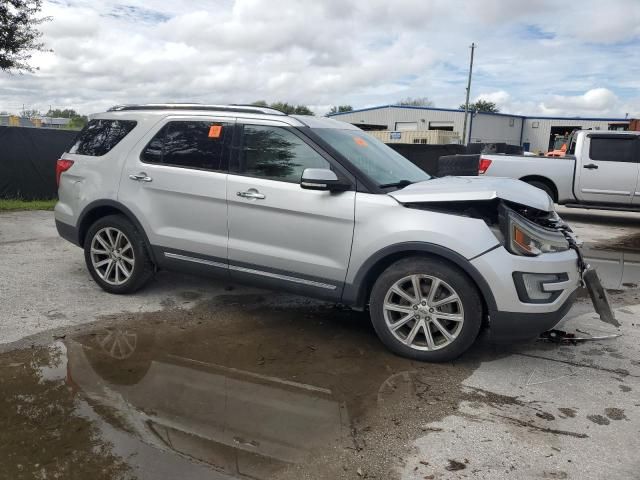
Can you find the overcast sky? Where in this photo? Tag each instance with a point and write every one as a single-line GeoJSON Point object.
{"type": "Point", "coordinates": [533, 57]}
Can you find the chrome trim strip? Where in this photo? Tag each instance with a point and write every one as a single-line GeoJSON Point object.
{"type": "Point", "coordinates": [606, 192]}
{"type": "Point", "coordinates": [311, 184]}
{"type": "Point", "coordinates": [251, 271]}
{"type": "Point", "coordinates": [211, 263]}
{"type": "Point", "coordinates": [283, 277]}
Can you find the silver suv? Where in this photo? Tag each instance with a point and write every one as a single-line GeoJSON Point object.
{"type": "Point", "coordinates": [316, 207]}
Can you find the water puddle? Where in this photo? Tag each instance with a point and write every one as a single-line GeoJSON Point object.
{"type": "Point", "coordinates": [225, 390]}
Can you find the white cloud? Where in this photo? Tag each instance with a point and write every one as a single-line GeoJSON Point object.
{"type": "Point", "coordinates": [594, 101]}
{"type": "Point", "coordinates": [327, 52]}
{"type": "Point", "coordinates": [500, 98]}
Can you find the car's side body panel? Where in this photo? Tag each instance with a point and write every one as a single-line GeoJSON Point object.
{"type": "Point", "coordinates": [179, 208]}
{"type": "Point", "coordinates": [605, 182]}
{"type": "Point", "coordinates": [95, 178]}
{"type": "Point", "coordinates": [381, 221]}
{"type": "Point", "coordinates": [305, 232]}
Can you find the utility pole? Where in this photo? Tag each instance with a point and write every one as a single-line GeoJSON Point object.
{"type": "Point", "coordinates": [466, 103]}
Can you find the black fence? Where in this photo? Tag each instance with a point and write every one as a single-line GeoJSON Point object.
{"type": "Point", "coordinates": [490, 148]}
{"type": "Point", "coordinates": [458, 165]}
{"type": "Point", "coordinates": [28, 161]}
{"type": "Point", "coordinates": [426, 156]}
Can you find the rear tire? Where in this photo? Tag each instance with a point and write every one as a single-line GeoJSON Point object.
{"type": "Point", "coordinates": [544, 187]}
{"type": "Point", "coordinates": [426, 309]}
{"type": "Point", "coordinates": [116, 255]}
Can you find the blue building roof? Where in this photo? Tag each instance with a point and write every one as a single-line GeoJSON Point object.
{"type": "Point", "coordinates": [457, 110]}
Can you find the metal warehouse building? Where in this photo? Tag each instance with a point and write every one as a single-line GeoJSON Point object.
{"type": "Point", "coordinates": [535, 134]}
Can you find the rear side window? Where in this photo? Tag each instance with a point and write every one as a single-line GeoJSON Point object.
{"type": "Point", "coordinates": [189, 144]}
{"type": "Point", "coordinates": [100, 136]}
{"type": "Point", "coordinates": [613, 149]}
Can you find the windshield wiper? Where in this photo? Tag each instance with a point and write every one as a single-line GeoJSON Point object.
{"type": "Point", "coordinates": [399, 184]}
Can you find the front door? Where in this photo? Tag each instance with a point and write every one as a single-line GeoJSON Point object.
{"type": "Point", "coordinates": [608, 171]}
{"type": "Point", "coordinates": [280, 234]}
{"type": "Point", "coordinates": [176, 187]}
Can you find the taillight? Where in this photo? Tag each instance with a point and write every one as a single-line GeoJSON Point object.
{"type": "Point", "coordinates": [62, 166]}
{"type": "Point", "coordinates": [484, 164]}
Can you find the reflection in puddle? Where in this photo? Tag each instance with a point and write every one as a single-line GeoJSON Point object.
{"type": "Point", "coordinates": [617, 269]}
{"type": "Point", "coordinates": [236, 392]}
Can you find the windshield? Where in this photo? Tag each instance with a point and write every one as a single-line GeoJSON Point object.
{"type": "Point", "coordinates": [374, 158]}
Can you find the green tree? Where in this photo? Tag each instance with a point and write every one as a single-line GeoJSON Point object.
{"type": "Point", "coordinates": [77, 121]}
{"type": "Point", "coordinates": [19, 35]}
{"type": "Point", "coordinates": [482, 106]}
{"type": "Point", "coordinates": [340, 109]}
{"type": "Point", "coordinates": [285, 107]}
{"type": "Point", "coordinates": [66, 113]}
{"type": "Point", "coordinates": [415, 102]}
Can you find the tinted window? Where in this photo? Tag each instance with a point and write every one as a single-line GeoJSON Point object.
{"type": "Point", "coordinates": [613, 149]}
{"type": "Point", "coordinates": [275, 153]}
{"type": "Point", "coordinates": [189, 144]}
{"type": "Point", "coordinates": [100, 136]}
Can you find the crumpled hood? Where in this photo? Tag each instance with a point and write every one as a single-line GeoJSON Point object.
{"type": "Point", "coordinates": [455, 189]}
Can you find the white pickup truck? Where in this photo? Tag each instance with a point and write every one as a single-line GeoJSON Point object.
{"type": "Point", "coordinates": [600, 170]}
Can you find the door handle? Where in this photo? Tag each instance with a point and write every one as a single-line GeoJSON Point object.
{"type": "Point", "coordinates": [252, 194]}
{"type": "Point", "coordinates": [140, 177]}
{"type": "Point", "coordinates": [590, 166]}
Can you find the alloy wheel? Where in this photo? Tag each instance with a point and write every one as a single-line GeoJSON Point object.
{"type": "Point", "coordinates": [112, 256]}
{"type": "Point", "coordinates": [117, 343]}
{"type": "Point", "coordinates": [423, 312]}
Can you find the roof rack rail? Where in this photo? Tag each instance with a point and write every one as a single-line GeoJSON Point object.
{"type": "Point", "coordinates": [196, 106]}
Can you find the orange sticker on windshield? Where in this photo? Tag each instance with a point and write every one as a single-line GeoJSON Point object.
{"type": "Point", "coordinates": [215, 131]}
{"type": "Point", "coordinates": [360, 141]}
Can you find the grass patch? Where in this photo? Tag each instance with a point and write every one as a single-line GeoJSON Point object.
{"type": "Point", "coordinates": [9, 205]}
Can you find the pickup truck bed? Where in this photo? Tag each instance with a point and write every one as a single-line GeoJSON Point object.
{"type": "Point", "coordinates": [600, 171]}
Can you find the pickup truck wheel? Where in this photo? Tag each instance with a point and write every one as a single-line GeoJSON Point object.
{"type": "Point", "coordinates": [425, 309]}
{"type": "Point", "coordinates": [116, 255]}
{"type": "Point", "coordinates": [542, 186]}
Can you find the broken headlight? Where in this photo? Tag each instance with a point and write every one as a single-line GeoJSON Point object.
{"type": "Point", "coordinates": [523, 237]}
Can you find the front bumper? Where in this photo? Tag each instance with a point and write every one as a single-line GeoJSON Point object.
{"type": "Point", "coordinates": [511, 318]}
{"type": "Point", "coordinates": [514, 326]}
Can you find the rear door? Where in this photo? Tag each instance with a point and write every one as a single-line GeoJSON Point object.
{"type": "Point", "coordinates": [175, 183]}
{"type": "Point", "coordinates": [608, 169]}
{"type": "Point", "coordinates": [281, 235]}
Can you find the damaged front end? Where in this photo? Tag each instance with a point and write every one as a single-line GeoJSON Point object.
{"type": "Point", "coordinates": [527, 231]}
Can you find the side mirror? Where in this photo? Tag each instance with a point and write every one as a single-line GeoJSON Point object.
{"type": "Point", "coordinates": [322, 179]}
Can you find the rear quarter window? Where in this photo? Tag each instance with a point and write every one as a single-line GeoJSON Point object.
{"type": "Point", "coordinates": [100, 136]}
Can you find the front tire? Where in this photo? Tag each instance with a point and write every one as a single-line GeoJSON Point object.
{"type": "Point", "coordinates": [425, 309]}
{"type": "Point", "coordinates": [116, 255]}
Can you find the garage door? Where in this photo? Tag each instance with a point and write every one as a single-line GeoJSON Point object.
{"type": "Point", "coordinates": [406, 126]}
